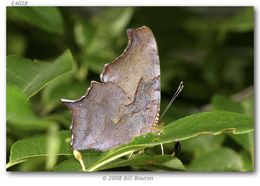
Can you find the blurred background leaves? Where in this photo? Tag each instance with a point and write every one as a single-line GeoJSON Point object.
{"type": "Point", "coordinates": [58, 50]}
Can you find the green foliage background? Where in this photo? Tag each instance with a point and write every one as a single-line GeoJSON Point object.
{"type": "Point", "coordinates": [54, 53]}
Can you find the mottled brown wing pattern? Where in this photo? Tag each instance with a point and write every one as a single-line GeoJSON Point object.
{"type": "Point", "coordinates": [127, 102]}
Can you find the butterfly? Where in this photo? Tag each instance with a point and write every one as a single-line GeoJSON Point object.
{"type": "Point", "coordinates": [126, 103]}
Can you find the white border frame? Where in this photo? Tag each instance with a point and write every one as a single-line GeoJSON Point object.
{"type": "Point", "coordinates": [219, 179]}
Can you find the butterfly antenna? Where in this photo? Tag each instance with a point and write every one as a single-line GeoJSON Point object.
{"type": "Point", "coordinates": [181, 86]}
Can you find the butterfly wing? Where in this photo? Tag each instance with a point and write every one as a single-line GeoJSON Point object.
{"type": "Point", "coordinates": [126, 104]}
{"type": "Point", "coordinates": [139, 60]}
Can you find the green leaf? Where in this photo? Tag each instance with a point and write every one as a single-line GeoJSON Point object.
{"type": "Point", "coordinates": [168, 162]}
{"type": "Point", "coordinates": [53, 146]}
{"type": "Point", "coordinates": [198, 124]}
{"type": "Point", "coordinates": [224, 103]}
{"type": "Point", "coordinates": [71, 164]}
{"type": "Point", "coordinates": [34, 164]}
{"type": "Point", "coordinates": [46, 18]}
{"type": "Point", "coordinates": [99, 38]}
{"type": "Point", "coordinates": [16, 105]}
{"type": "Point", "coordinates": [214, 123]}
{"type": "Point", "coordinates": [63, 118]}
{"type": "Point", "coordinates": [19, 113]}
{"type": "Point", "coordinates": [16, 44]}
{"type": "Point", "coordinates": [220, 159]}
{"type": "Point", "coordinates": [243, 21]}
{"type": "Point", "coordinates": [114, 21]}
{"type": "Point", "coordinates": [248, 106]}
{"type": "Point", "coordinates": [32, 76]}
{"type": "Point", "coordinates": [97, 60]}
{"type": "Point", "coordinates": [245, 140]}
{"type": "Point", "coordinates": [37, 146]}
{"type": "Point", "coordinates": [200, 144]}
{"type": "Point", "coordinates": [68, 89]}
{"type": "Point", "coordinates": [108, 24]}
{"type": "Point", "coordinates": [247, 161]}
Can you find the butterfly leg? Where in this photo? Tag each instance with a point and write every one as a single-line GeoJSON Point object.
{"type": "Point", "coordinates": [141, 151]}
{"type": "Point", "coordinates": [130, 155]}
{"type": "Point", "coordinates": [162, 149]}
{"type": "Point", "coordinates": [177, 148]}
{"type": "Point", "coordinates": [78, 156]}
